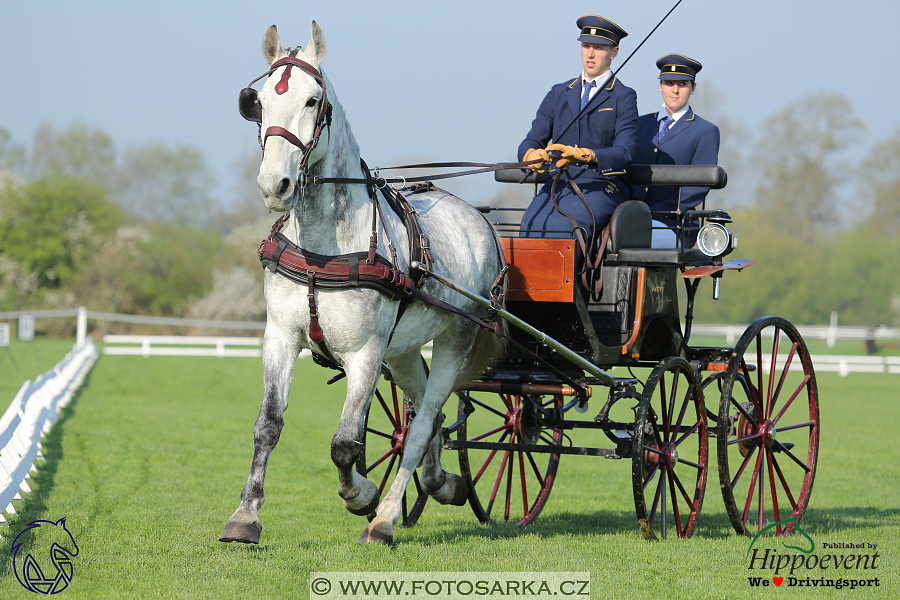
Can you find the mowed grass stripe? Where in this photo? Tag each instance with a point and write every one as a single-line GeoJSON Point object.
{"type": "Point", "coordinates": [148, 462]}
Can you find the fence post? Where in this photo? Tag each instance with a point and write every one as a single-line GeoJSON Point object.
{"type": "Point", "coordinates": [81, 330]}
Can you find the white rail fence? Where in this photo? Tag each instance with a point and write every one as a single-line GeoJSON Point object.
{"type": "Point", "coordinates": [182, 345]}
{"type": "Point", "coordinates": [192, 345]}
{"type": "Point", "coordinates": [30, 416]}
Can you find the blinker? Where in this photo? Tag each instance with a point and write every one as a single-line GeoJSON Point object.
{"type": "Point", "coordinates": [248, 105]}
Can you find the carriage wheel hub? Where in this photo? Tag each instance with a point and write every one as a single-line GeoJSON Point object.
{"type": "Point", "coordinates": [768, 433]}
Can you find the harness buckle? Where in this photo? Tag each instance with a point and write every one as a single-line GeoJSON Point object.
{"type": "Point", "coordinates": [424, 242]}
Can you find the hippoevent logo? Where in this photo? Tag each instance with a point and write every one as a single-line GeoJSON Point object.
{"type": "Point", "coordinates": [805, 567]}
{"type": "Point", "coordinates": [46, 567]}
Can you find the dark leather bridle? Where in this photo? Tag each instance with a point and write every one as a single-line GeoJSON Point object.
{"type": "Point", "coordinates": [250, 108]}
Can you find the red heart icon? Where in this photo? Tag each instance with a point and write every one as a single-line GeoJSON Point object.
{"type": "Point", "coordinates": [778, 580]}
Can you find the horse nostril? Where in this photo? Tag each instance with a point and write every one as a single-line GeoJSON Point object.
{"type": "Point", "coordinates": [284, 187]}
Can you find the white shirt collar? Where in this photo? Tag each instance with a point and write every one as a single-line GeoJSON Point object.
{"type": "Point", "coordinates": [663, 113]}
{"type": "Point", "coordinates": [600, 80]}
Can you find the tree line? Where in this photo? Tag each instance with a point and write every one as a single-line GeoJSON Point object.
{"type": "Point", "coordinates": [137, 232]}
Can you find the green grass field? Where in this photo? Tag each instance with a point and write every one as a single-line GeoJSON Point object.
{"type": "Point", "coordinates": [148, 461]}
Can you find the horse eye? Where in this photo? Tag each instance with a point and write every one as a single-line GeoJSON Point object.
{"type": "Point", "coordinates": [311, 102]}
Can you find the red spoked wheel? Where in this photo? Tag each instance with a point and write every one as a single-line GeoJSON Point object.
{"type": "Point", "coordinates": [385, 437]}
{"type": "Point", "coordinates": [768, 429]}
{"type": "Point", "coordinates": [670, 452]}
{"type": "Point", "coordinates": [505, 483]}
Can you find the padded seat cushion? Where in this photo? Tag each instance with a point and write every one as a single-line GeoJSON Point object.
{"type": "Point", "coordinates": [659, 256]}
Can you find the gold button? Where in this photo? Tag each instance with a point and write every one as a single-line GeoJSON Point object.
{"type": "Point", "coordinates": [646, 189]}
{"type": "Point", "coordinates": [656, 149]}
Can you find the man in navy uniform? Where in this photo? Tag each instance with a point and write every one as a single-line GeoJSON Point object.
{"type": "Point", "coordinates": [596, 149]}
{"type": "Point", "coordinates": [674, 136]}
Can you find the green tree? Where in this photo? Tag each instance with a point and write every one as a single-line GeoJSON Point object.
{"type": "Point", "coordinates": [12, 155]}
{"type": "Point", "coordinates": [798, 160]}
{"type": "Point", "coordinates": [165, 184]}
{"type": "Point", "coordinates": [49, 226]}
{"type": "Point", "coordinates": [78, 151]}
{"type": "Point", "coordinates": [879, 180]}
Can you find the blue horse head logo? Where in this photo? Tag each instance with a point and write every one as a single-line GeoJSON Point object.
{"type": "Point", "coordinates": [46, 568]}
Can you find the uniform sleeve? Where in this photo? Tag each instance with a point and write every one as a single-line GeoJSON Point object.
{"type": "Point", "coordinates": [706, 153]}
{"type": "Point", "coordinates": [624, 147]}
{"type": "Point", "coordinates": [541, 127]}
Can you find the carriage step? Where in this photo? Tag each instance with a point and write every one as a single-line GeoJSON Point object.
{"type": "Point", "coordinates": [787, 447]}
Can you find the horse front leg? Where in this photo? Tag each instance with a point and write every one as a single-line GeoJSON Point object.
{"type": "Point", "coordinates": [279, 356]}
{"type": "Point", "coordinates": [359, 495]}
{"type": "Point", "coordinates": [410, 374]}
{"type": "Point", "coordinates": [446, 488]}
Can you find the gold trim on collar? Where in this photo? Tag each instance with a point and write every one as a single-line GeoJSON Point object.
{"type": "Point", "coordinates": [573, 82]}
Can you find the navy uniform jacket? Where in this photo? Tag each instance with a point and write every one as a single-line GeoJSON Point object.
{"type": "Point", "coordinates": [608, 128]}
{"type": "Point", "coordinates": [690, 141]}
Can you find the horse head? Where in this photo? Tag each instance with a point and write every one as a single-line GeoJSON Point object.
{"type": "Point", "coordinates": [293, 110]}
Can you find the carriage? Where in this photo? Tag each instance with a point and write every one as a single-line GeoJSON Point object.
{"type": "Point", "coordinates": [369, 312]}
{"type": "Point", "coordinates": [755, 405]}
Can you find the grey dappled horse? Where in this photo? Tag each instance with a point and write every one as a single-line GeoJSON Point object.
{"type": "Point", "coordinates": [336, 219]}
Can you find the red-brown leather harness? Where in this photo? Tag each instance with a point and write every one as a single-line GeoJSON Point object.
{"type": "Point", "coordinates": [367, 269]}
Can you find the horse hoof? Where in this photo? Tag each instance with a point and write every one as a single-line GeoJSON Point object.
{"type": "Point", "coordinates": [367, 510]}
{"type": "Point", "coordinates": [454, 491]}
{"type": "Point", "coordinates": [460, 490]}
{"type": "Point", "coordinates": [247, 533]}
{"type": "Point", "coordinates": [372, 535]}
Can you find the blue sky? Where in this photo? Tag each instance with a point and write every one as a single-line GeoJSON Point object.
{"type": "Point", "coordinates": [422, 81]}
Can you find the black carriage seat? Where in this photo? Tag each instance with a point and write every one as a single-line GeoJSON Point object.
{"type": "Point", "coordinates": [542, 289]}
{"type": "Point", "coordinates": [630, 225]}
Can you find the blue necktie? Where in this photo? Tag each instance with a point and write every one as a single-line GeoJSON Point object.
{"type": "Point", "coordinates": [587, 93]}
{"type": "Point", "coordinates": [665, 128]}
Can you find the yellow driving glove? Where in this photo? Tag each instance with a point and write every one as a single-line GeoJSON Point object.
{"type": "Point", "coordinates": [570, 154]}
{"type": "Point", "coordinates": [534, 154]}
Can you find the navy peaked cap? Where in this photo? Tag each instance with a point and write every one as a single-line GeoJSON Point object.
{"type": "Point", "coordinates": [597, 30]}
{"type": "Point", "coordinates": [677, 67]}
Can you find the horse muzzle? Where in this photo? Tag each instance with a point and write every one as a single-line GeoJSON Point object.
{"type": "Point", "coordinates": [279, 193]}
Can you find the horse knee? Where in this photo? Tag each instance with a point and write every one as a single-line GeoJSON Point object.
{"type": "Point", "coordinates": [268, 426]}
{"type": "Point", "coordinates": [344, 452]}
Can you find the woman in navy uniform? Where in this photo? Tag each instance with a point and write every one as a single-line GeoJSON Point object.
{"type": "Point", "coordinates": [596, 149]}
{"type": "Point", "coordinates": [674, 136]}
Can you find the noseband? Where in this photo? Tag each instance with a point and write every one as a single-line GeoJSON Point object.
{"type": "Point", "coordinates": [250, 109]}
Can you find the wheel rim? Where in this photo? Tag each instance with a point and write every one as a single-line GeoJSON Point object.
{"type": "Point", "coordinates": [670, 452]}
{"type": "Point", "coordinates": [768, 429]}
{"type": "Point", "coordinates": [508, 485]}
{"type": "Point", "coordinates": [385, 436]}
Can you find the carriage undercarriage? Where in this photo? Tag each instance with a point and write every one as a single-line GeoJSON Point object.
{"type": "Point", "coordinates": [539, 403]}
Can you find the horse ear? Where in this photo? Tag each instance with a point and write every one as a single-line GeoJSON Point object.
{"type": "Point", "coordinates": [316, 47]}
{"type": "Point", "coordinates": [62, 522]}
{"type": "Point", "coordinates": [272, 49]}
